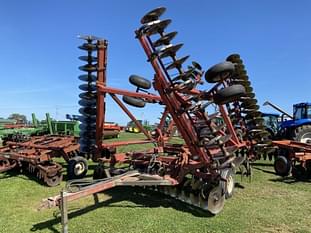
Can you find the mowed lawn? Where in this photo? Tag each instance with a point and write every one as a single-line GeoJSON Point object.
{"type": "Point", "coordinates": [266, 204]}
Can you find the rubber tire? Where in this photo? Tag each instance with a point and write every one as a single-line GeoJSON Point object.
{"type": "Point", "coordinates": [71, 165]}
{"type": "Point", "coordinates": [140, 82]}
{"type": "Point", "coordinates": [133, 101]}
{"type": "Point", "coordinates": [99, 172]}
{"type": "Point", "coordinates": [283, 161]}
{"type": "Point", "coordinates": [300, 131]}
{"type": "Point", "coordinates": [229, 94]}
{"type": "Point", "coordinates": [226, 174]}
{"type": "Point", "coordinates": [213, 74]}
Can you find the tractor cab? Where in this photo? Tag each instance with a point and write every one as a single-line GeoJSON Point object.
{"type": "Point", "coordinates": [302, 111]}
{"type": "Point", "coordinates": [272, 123]}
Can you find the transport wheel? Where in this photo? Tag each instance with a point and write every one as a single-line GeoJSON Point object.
{"type": "Point", "coordinates": [140, 82]}
{"type": "Point", "coordinates": [229, 94]}
{"type": "Point", "coordinates": [282, 166]}
{"type": "Point", "coordinates": [99, 172]}
{"type": "Point", "coordinates": [77, 167]}
{"type": "Point", "coordinates": [136, 102]}
{"type": "Point", "coordinates": [53, 181]}
{"type": "Point", "coordinates": [219, 72]}
{"type": "Point", "coordinates": [228, 186]}
{"type": "Point", "coordinates": [302, 134]}
{"type": "Point", "coordinates": [216, 200]}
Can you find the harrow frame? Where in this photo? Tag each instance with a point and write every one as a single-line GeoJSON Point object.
{"type": "Point", "coordinates": [196, 172]}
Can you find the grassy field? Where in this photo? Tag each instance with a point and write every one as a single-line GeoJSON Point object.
{"type": "Point", "coordinates": [267, 204]}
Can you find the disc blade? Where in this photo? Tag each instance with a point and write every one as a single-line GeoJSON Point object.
{"type": "Point", "coordinates": [88, 111]}
{"type": "Point", "coordinates": [203, 203]}
{"type": "Point", "coordinates": [152, 15]}
{"type": "Point", "coordinates": [157, 27]}
{"type": "Point", "coordinates": [255, 113]}
{"type": "Point", "coordinates": [249, 110]}
{"type": "Point", "coordinates": [88, 78]}
{"type": "Point", "coordinates": [165, 40]}
{"type": "Point", "coordinates": [86, 141]}
{"type": "Point", "coordinates": [88, 95]}
{"type": "Point", "coordinates": [216, 200]}
{"type": "Point", "coordinates": [169, 50]}
{"type": "Point", "coordinates": [88, 37]}
{"type": "Point", "coordinates": [87, 127]}
{"type": "Point", "coordinates": [184, 76]}
{"type": "Point", "coordinates": [88, 119]}
{"type": "Point", "coordinates": [177, 63]}
{"type": "Point", "coordinates": [88, 58]}
{"type": "Point", "coordinates": [249, 104]}
{"type": "Point", "coordinates": [88, 68]}
{"type": "Point", "coordinates": [84, 149]}
{"type": "Point", "coordinates": [88, 134]}
{"type": "Point", "coordinates": [194, 199]}
{"type": "Point", "coordinates": [87, 103]}
{"type": "Point", "coordinates": [173, 191]}
{"type": "Point", "coordinates": [88, 47]}
{"type": "Point", "coordinates": [248, 96]}
{"type": "Point", "coordinates": [87, 87]}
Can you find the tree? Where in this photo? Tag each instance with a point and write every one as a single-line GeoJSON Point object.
{"type": "Point", "coordinates": [20, 119]}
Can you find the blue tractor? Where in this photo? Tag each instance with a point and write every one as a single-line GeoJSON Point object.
{"type": "Point", "coordinates": [295, 127]}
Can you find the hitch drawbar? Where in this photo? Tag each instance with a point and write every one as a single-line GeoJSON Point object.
{"type": "Point", "coordinates": [77, 189]}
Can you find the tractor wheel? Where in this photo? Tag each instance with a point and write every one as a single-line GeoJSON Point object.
{"type": "Point", "coordinates": [302, 134]}
{"type": "Point", "coordinates": [282, 166]}
{"type": "Point", "coordinates": [229, 94]}
{"type": "Point", "coordinates": [219, 72]}
{"type": "Point", "coordinates": [136, 102]}
{"type": "Point", "coordinates": [228, 186]}
{"type": "Point", "coordinates": [77, 168]}
{"type": "Point", "coordinates": [140, 82]}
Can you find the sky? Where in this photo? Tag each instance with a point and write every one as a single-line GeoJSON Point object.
{"type": "Point", "coordinates": [39, 55]}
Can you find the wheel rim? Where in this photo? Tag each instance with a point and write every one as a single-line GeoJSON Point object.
{"type": "Point", "coordinates": [79, 168]}
{"type": "Point", "coordinates": [230, 184]}
{"type": "Point", "coordinates": [306, 138]}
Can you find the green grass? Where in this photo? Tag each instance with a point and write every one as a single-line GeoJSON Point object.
{"type": "Point", "coordinates": [267, 204]}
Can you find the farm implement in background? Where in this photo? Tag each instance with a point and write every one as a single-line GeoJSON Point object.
{"type": "Point", "coordinates": [295, 127]}
{"type": "Point", "coordinates": [36, 156]}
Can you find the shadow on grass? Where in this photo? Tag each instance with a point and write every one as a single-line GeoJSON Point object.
{"type": "Point", "coordinates": [25, 176]}
{"type": "Point", "coordinates": [239, 185]}
{"type": "Point", "coordinates": [262, 164]}
{"type": "Point", "coordinates": [264, 170]}
{"type": "Point", "coordinates": [290, 180]}
{"type": "Point", "coordinates": [141, 197]}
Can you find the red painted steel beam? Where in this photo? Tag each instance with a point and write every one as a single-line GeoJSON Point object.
{"type": "Point", "coordinates": [100, 105]}
{"type": "Point", "coordinates": [104, 89]}
{"type": "Point", "coordinates": [124, 108]}
{"type": "Point", "coordinates": [235, 140]}
{"type": "Point", "coordinates": [173, 105]}
{"type": "Point", "coordinates": [125, 143]}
